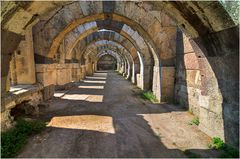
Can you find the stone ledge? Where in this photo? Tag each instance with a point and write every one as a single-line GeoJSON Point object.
{"type": "Point", "coordinates": [18, 94]}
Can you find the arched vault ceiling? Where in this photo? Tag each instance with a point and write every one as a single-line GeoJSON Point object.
{"type": "Point", "coordinates": [104, 48]}
{"type": "Point", "coordinates": [120, 31]}
{"type": "Point", "coordinates": [116, 40]}
{"type": "Point", "coordinates": [210, 15]}
{"type": "Point", "coordinates": [118, 57]}
{"type": "Point", "coordinates": [148, 19]}
{"type": "Point", "coordinates": [97, 17]}
{"type": "Point", "coordinates": [98, 48]}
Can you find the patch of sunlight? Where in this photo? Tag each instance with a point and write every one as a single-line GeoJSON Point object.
{"type": "Point", "coordinates": [95, 98]}
{"type": "Point", "coordinates": [172, 132]}
{"type": "Point", "coordinates": [88, 81]}
{"type": "Point", "coordinates": [75, 96]}
{"type": "Point", "coordinates": [13, 89]}
{"type": "Point", "coordinates": [86, 97]}
{"type": "Point", "coordinates": [20, 91]}
{"type": "Point", "coordinates": [92, 77]}
{"type": "Point", "coordinates": [92, 87]}
{"type": "Point", "coordinates": [100, 74]}
{"type": "Point", "coordinates": [58, 94]}
{"type": "Point", "coordinates": [84, 122]}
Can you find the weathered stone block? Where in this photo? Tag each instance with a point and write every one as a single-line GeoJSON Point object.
{"type": "Point", "coordinates": [64, 76]}
{"type": "Point", "coordinates": [191, 61]}
{"type": "Point", "coordinates": [193, 78]}
{"type": "Point", "coordinates": [47, 78]}
{"type": "Point", "coordinates": [187, 45]}
{"type": "Point", "coordinates": [48, 92]}
{"type": "Point", "coordinates": [211, 123]}
{"type": "Point", "coordinates": [168, 74]}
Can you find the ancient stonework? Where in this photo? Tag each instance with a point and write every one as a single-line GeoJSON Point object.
{"type": "Point", "coordinates": [185, 53]}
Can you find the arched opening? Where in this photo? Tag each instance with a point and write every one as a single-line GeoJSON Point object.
{"type": "Point", "coordinates": [107, 62]}
{"type": "Point", "coordinates": [184, 54]}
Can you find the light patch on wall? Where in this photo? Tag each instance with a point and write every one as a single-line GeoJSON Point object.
{"type": "Point", "coordinates": [84, 122]}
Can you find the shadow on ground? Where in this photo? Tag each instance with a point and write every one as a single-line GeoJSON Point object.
{"type": "Point", "coordinates": [103, 117]}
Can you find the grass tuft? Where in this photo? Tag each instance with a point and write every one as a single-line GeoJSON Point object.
{"type": "Point", "coordinates": [148, 95]}
{"type": "Point", "coordinates": [14, 139]}
{"type": "Point", "coordinates": [228, 151]}
{"type": "Point", "coordinates": [195, 121]}
{"type": "Point", "coordinates": [217, 143]}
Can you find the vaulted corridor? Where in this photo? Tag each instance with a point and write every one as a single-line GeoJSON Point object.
{"type": "Point", "coordinates": [104, 117]}
{"type": "Point", "coordinates": [120, 78]}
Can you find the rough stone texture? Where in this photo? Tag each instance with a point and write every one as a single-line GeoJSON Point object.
{"type": "Point", "coordinates": [19, 94]}
{"type": "Point", "coordinates": [157, 83]}
{"type": "Point", "coordinates": [48, 92]}
{"type": "Point", "coordinates": [64, 74]}
{"type": "Point", "coordinates": [167, 86]}
{"type": "Point", "coordinates": [107, 62]}
{"type": "Point", "coordinates": [46, 74]}
{"type": "Point", "coordinates": [9, 43]}
{"type": "Point", "coordinates": [197, 88]}
{"type": "Point", "coordinates": [76, 72]}
{"type": "Point", "coordinates": [224, 62]}
{"type": "Point", "coordinates": [23, 61]}
{"type": "Point", "coordinates": [204, 74]}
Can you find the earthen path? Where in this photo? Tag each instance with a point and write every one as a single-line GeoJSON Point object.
{"type": "Point", "coordinates": [103, 116]}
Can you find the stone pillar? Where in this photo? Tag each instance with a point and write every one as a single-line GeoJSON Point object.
{"type": "Point", "coordinates": [89, 67]}
{"type": "Point", "coordinates": [24, 59]}
{"type": "Point", "coordinates": [167, 83]}
{"type": "Point", "coordinates": [118, 66]}
{"type": "Point", "coordinates": [9, 43]}
{"type": "Point", "coordinates": [140, 81]}
{"type": "Point", "coordinates": [133, 73]}
{"type": "Point", "coordinates": [75, 72]}
{"type": "Point", "coordinates": [129, 71]}
{"type": "Point", "coordinates": [46, 75]}
{"type": "Point", "coordinates": [83, 71]}
{"type": "Point", "coordinates": [147, 77]}
{"type": "Point", "coordinates": [156, 88]}
{"type": "Point", "coordinates": [122, 67]}
{"type": "Point", "coordinates": [125, 69]}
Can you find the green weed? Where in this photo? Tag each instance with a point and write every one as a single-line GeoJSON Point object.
{"type": "Point", "coordinates": [14, 139]}
{"type": "Point", "coordinates": [228, 151]}
{"type": "Point", "coordinates": [148, 95]}
{"type": "Point", "coordinates": [195, 121]}
{"type": "Point", "coordinates": [217, 143]}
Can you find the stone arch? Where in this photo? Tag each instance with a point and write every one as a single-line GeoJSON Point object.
{"type": "Point", "coordinates": [204, 22]}
{"type": "Point", "coordinates": [112, 62]}
{"type": "Point", "coordinates": [137, 67]}
{"type": "Point", "coordinates": [148, 75]}
{"type": "Point", "coordinates": [129, 61]}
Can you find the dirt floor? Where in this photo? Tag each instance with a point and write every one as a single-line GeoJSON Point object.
{"type": "Point", "coordinates": [104, 116]}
